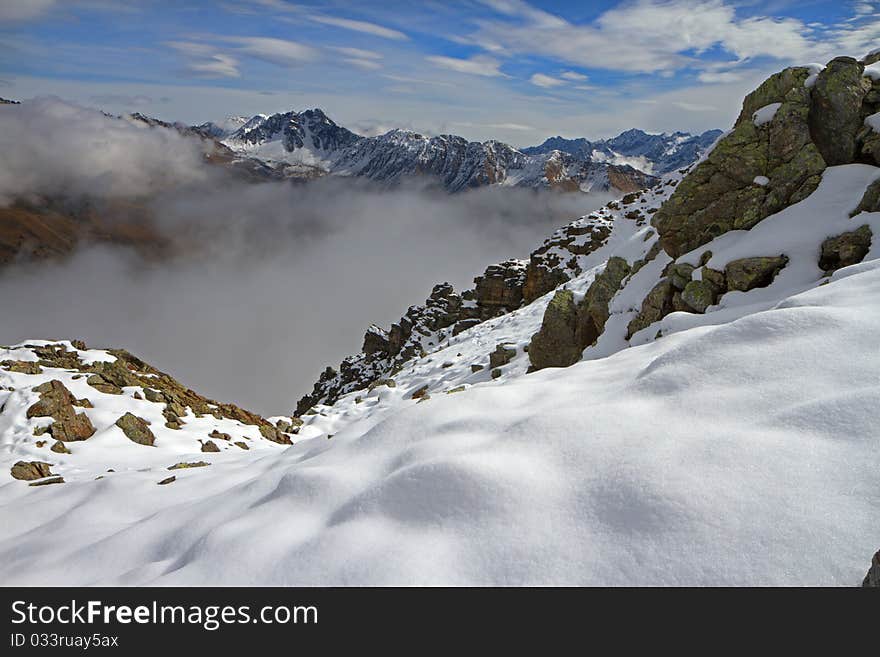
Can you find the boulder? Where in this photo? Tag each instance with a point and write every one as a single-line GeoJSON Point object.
{"type": "Point", "coordinates": [210, 446]}
{"type": "Point", "coordinates": [749, 273]}
{"type": "Point", "coordinates": [555, 344]}
{"type": "Point", "coordinates": [502, 355]}
{"type": "Point", "coordinates": [656, 305]}
{"type": "Point", "coordinates": [845, 249]}
{"type": "Point", "coordinates": [835, 116]}
{"type": "Point", "coordinates": [30, 470]}
{"type": "Point", "coordinates": [699, 295]}
{"type": "Point", "coordinates": [136, 429]}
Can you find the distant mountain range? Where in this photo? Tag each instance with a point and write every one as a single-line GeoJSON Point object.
{"type": "Point", "coordinates": [310, 144]}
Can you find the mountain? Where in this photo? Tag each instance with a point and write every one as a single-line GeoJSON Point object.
{"type": "Point", "coordinates": [651, 153]}
{"type": "Point", "coordinates": [311, 141]}
{"type": "Point", "coordinates": [678, 389]}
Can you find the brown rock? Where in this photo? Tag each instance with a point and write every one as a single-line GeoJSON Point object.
{"type": "Point", "coordinates": [210, 446]}
{"type": "Point", "coordinates": [136, 429]}
{"type": "Point", "coordinates": [30, 470]}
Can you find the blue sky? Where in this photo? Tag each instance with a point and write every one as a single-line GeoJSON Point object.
{"type": "Point", "coordinates": [508, 69]}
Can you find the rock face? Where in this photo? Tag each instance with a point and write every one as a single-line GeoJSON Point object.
{"type": "Point", "coordinates": [790, 128]}
{"type": "Point", "coordinates": [555, 344]}
{"type": "Point", "coordinates": [836, 109]}
{"type": "Point", "coordinates": [568, 328]}
{"type": "Point", "coordinates": [872, 579]}
{"type": "Point", "coordinates": [720, 194]}
{"type": "Point", "coordinates": [593, 310]}
{"type": "Point", "coordinates": [136, 429]}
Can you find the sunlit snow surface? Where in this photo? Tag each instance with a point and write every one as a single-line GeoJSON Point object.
{"type": "Point", "coordinates": [740, 448]}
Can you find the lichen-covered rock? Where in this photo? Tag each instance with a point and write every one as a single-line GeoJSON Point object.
{"type": "Point", "coordinates": [845, 249]}
{"type": "Point", "coordinates": [656, 305]}
{"type": "Point", "coordinates": [870, 200]}
{"type": "Point", "coordinates": [872, 579]}
{"type": "Point", "coordinates": [183, 465]}
{"type": "Point", "coordinates": [502, 355]}
{"type": "Point", "coordinates": [749, 273]}
{"type": "Point", "coordinates": [136, 429]}
{"type": "Point", "coordinates": [699, 295]}
{"type": "Point", "coordinates": [555, 344]}
{"type": "Point", "coordinates": [30, 470]}
{"type": "Point", "coordinates": [680, 275]}
{"type": "Point", "coordinates": [21, 367]}
{"type": "Point", "coordinates": [593, 312]}
{"type": "Point", "coordinates": [835, 116]}
{"type": "Point", "coordinates": [720, 195]}
{"type": "Point", "coordinates": [210, 446]}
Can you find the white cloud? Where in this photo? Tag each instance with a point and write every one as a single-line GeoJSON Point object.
{"type": "Point", "coordinates": [276, 51]}
{"type": "Point", "coordinates": [541, 80]}
{"type": "Point", "coordinates": [478, 65]}
{"type": "Point", "coordinates": [204, 60]}
{"type": "Point", "coordinates": [359, 26]}
{"type": "Point", "coordinates": [358, 53]}
{"type": "Point", "coordinates": [363, 64]}
{"type": "Point", "coordinates": [573, 75]}
{"type": "Point", "coordinates": [646, 36]}
{"type": "Point", "coordinates": [23, 10]}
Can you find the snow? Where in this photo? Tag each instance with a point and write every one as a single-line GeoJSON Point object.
{"type": "Point", "coordinates": [815, 69]}
{"type": "Point", "coordinates": [765, 114]}
{"type": "Point", "coordinates": [508, 484]}
{"type": "Point", "coordinates": [873, 71]}
{"type": "Point", "coordinates": [873, 122]}
{"type": "Point", "coordinates": [740, 448]}
{"type": "Point", "coordinates": [763, 181]}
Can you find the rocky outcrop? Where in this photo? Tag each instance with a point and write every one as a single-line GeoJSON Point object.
{"type": "Point", "coordinates": [593, 309]}
{"type": "Point", "coordinates": [846, 249]}
{"type": "Point", "coordinates": [555, 344]}
{"type": "Point", "coordinates": [57, 402]}
{"type": "Point", "coordinates": [444, 314]}
{"type": "Point", "coordinates": [790, 128]}
{"type": "Point", "coordinates": [720, 193]}
{"type": "Point", "coordinates": [681, 291]}
{"type": "Point", "coordinates": [568, 328]}
{"type": "Point", "coordinates": [835, 116]}
{"type": "Point", "coordinates": [872, 579]}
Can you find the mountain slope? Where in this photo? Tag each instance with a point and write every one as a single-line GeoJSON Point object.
{"type": "Point", "coordinates": [654, 154]}
{"type": "Point", "coordinates": [686, 395]}
{"type": "Point", "coordinates": [311, 139]}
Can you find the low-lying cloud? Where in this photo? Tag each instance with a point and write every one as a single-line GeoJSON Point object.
{"type": "Point", "coordinates": [269, 283]}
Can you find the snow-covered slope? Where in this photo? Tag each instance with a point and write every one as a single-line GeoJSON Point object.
{"type": "Point", "coordinates": [680, 389]}
{"type": "Point", "coordinates": [656, 154]}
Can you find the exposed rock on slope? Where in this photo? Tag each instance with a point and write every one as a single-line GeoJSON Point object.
{"type": "Point", "coordinates": [82, 398]}
{"type": "Point", "coordinates": [794, 125]}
